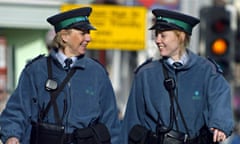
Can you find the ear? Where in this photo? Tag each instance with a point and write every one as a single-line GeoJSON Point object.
{"type": "Point", "coordinates": [64, 35]}
{"type": "Point", "coordinates": [182, 36]}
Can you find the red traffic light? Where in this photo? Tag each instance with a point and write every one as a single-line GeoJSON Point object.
{"type": "Point", "coordinates": [220, 25]}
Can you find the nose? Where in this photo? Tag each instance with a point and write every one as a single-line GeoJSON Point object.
{"type": "Point", "coordinates": [87, 37]}
{"type": "Point", "coordinates": [158, 39]}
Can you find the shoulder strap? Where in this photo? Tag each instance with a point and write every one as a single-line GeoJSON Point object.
{"type": "Point", "coordinates": [49, 67]}
{"type": "Point", "coordinates": [170, 86]}
{"type": "Point", "coordinates": [54, 94]}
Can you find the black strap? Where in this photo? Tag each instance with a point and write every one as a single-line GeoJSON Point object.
{"type": "Point", "coordinates": [169, 84]}
{"type": "Point", "coordinates": [55, 93]}
{"type": "Point", "coordinates": [53, 102]}
{"type": "Point", "coordinates": [49, 66]}
{"type": "Point", "coordinates": [170, 90]}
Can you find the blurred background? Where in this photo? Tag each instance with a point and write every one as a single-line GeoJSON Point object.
{"type": "Point", "coordinates": [122, 41]}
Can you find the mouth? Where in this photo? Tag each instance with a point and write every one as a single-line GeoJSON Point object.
{"type": "Point", "coordinates": [84, 44]}
{"type": "Point", "coordinates": [160, 46]}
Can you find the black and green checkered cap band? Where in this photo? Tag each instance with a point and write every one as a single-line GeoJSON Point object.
{"type": "Point", "coordinates": [185, 26]}
{"type": "Point", "coordinates": [70, 21]}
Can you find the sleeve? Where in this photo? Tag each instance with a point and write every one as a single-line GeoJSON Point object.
{"type": "Point", "coordinates": [135, 110]}
{"type": "Point", "coordinates": [219, 102]}
{"type": "Point", "coordinates": [109, 110]}
{"type": "Point", "coordinates": [14, 120]}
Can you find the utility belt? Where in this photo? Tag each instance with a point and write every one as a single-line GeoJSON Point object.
{"type": "Point", "coordinates": [45, 133]}
{"type": "Point", "coordinates": [141, 135]}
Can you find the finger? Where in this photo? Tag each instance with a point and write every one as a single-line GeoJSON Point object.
{"type": "Point", "coordinates": [222, 137]}
{"type": "Point", "coordinates": [219, 138]}
{"type": "Point", "coordinates": [215, 135]}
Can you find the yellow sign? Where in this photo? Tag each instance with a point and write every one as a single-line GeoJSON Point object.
{"type": "Point", "coordinates": [118, 27]}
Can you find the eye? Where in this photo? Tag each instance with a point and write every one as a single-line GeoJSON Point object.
{"type": "Point", "coordinates": [158, 33]}
{"type": "Point", "coordinates": [86, 32]}
{"type": "Point", "coordinates": [83, 32]}
{"type": "Point", "coordinates": [163, 35]}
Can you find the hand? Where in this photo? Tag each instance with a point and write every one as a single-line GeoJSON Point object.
{"type": "Point", "coordinates": [13, 140]}
{"type": "Point", "coordinates": [218, 136]}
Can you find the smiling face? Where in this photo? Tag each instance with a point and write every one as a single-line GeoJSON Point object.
{"type": "Point", "coordinates": [75, 42]}
{"type": "Point", "coordinates": [170, 43]}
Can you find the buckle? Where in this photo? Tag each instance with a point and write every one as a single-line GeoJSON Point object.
{"type": "Point", "coordinates": [185, 138]}
{"type": "Point", "coordinates": [169, 83]}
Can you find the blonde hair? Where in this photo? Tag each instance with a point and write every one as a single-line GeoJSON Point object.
{"type": "Point", "coordinates": [185, 41]}
{"type": "Point", "coordinates": [58, 42]}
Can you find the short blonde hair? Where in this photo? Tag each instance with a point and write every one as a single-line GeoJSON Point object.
{"type": "Point", "coordinates": [58, 42]}
{"type": "Point", "coordinates": [186, 40]}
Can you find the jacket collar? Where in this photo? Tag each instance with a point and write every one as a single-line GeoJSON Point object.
{"type": "Point", "coordinates": [79, 62]}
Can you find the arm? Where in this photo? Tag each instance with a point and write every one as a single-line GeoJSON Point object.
{"type": "Point", "coordinates": [220, 109]}
{"type": "Point", "coordinates": [14, 119]}
{"type": "Point", "coordinates": [135, 109]}
{"type": "Point", "coordinates": [109, 110]}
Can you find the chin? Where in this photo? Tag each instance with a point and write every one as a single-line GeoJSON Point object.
{"type": "Point", "coordinates": [163, 54]}
{"type": "Point", "coordinates": [82, 52]}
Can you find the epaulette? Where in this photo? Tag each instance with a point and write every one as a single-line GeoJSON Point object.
{"type": "Point", "coordinates": [34, 59]}
{"type": "Point", "coordinates": [218, 67]}
{"type": "Point", "coordinates": [100, 64]}
{"type": "Point", "coordinates": [144, 63]}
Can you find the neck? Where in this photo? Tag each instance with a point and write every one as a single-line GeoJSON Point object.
{"type": "Point", "coordinates": [178, 56]}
